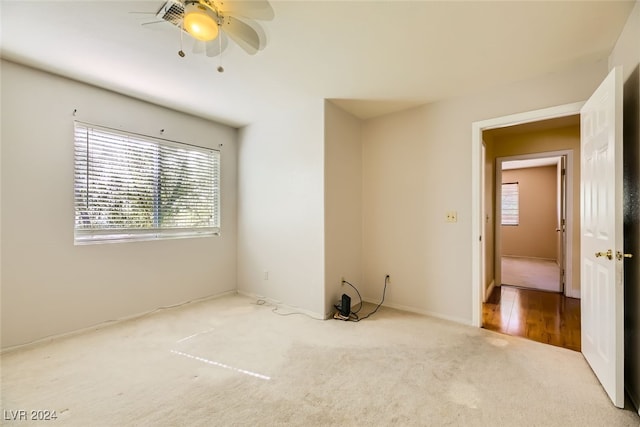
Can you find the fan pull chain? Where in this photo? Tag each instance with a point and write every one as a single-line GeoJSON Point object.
{"type": "Point", "coordinates": [181, 52]}
{"type": "Point", "coordinates": [220, 67]}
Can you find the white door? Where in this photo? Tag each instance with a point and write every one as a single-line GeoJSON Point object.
{"type": "Point", "coordinates": [601, 235]}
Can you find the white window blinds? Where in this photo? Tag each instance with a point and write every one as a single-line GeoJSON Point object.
{"type": "Point", "coordinates": [133, 187]}
{"type": "Point", "coordinates": [510, 204]}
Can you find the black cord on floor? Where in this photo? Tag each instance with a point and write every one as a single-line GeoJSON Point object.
{"type": "Point", "coordinates": [353, 316]}
{"type": "Point", "coordinates": [275, 309]}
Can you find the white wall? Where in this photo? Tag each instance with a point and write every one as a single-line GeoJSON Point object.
{"type": "Point", "coordinates": [281, 208]}
{"type": "Point", "coordinates": [343, 204]}
{"type": "Point", "coordinates": [416, 167]}
{"type": "Point", "coordinates": [50, 286]}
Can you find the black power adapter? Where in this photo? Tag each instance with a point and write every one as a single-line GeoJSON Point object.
{"type": "Point", "coordinates": [345, 305]}
{"type": "Point", "coordinates": [344, 308]}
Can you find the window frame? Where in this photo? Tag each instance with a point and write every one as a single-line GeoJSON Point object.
{"type": "Point", "coordinates": [95, 234]}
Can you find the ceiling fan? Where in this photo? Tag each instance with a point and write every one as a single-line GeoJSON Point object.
{"type": "Point", "coordinates": [212, 22]}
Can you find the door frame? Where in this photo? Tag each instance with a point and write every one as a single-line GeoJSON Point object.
{"type": "Point", "coordinates": [568, 289]}
{"type": "Point", "coordinates": [477, 192]}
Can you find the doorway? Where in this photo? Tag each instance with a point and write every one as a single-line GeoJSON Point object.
{"type": "Point", "coordinates": [529, 207]}
{"type": "Point", "coordinates": [481, 220]}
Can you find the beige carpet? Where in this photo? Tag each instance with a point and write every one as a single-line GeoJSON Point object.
{"type": "Point", "coordinates": [533, 273]}
{"type": "Point", "coordinates": [230, 362]}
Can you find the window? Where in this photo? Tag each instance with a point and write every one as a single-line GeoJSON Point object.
{"type": "Point", "coordinates": [510, 209]}
{"type": "Point", "coordinates": [134, 187]}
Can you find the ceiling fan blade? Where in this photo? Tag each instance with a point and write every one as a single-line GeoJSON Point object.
{"type": "Point", "coordinates": [252, 9]}
{"type": "Point", "coordinates": [241, 33]}
{"type": "Point", "coordinates": [216, 47]}
{"type": "Point", "coordinates": [152, 22]}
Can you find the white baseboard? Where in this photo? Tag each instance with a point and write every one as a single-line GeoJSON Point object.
{"type": "Point", "coordinates": [285, 307]}
{"type": "Point", "coordinates": [420, 311]}
{"type": "Point", "coordinates": [109, 323]}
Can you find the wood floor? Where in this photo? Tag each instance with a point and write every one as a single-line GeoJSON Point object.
{"type": "Point", "coordinates": [545, 317]}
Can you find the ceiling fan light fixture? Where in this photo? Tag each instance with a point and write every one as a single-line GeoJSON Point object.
{"type": "Point", "coordinates": [200, 22]}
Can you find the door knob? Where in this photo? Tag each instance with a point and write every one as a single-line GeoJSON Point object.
{"type": "Point", "coordinates": [620, 255]}
{"type": "Point", "coordinates": [608, 254]}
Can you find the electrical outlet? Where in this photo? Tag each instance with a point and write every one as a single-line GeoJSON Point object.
{"type": "Point", "coordinates": [452, 216]}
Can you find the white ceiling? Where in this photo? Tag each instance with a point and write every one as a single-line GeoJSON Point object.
{"type": "Point", "coordinates": [372, 57]}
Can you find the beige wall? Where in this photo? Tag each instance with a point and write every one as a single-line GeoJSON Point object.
{"type": "Point", "coordinates": [566, 138]}
{"type": "Point", "coordinates": [50, 286]}
{"type": "Point", "coordinates": [535, 234]}
{"type": "Point", "coordinates": [342, 204]}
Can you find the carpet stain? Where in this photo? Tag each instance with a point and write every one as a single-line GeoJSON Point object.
{"type": "Point", "coordinates": [464, 394]}
{"type": "Point", "coordinates": [497, 342]}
